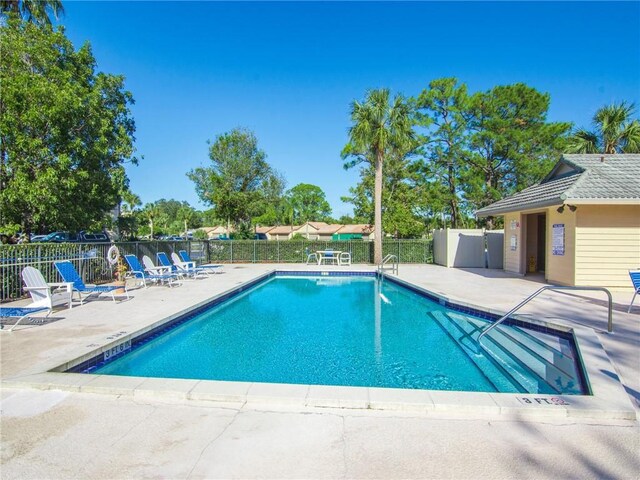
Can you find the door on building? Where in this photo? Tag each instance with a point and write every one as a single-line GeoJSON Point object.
{"type": "Point", "coordinates": [542, 241]}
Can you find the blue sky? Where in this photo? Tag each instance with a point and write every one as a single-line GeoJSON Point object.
{"type": "Point", "coordinates": [288, 71]}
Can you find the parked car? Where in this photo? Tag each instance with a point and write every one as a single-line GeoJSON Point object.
{"type": "Point", "coordinates": [70, 237]}
{"type": "Point", "coordinates": [174, 238]}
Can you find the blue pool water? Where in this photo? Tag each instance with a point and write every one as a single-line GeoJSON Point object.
{"type": "Point", "coordinates": [348, 331]}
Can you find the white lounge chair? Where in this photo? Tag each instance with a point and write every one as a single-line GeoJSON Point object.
{"type": "Point", "coordinates": [164, 274]}
{"type": "Point", "coordinates": [209, 267]}
{"type": "Point", "coordinates": [141, 273]}
{"type": "Point", "coordinates": [186, 268]}
{"type": "Point", "coordinates": [45, 294]}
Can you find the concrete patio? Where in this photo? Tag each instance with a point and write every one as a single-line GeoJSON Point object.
{"type": "Point", "coordinates": [93, 428]}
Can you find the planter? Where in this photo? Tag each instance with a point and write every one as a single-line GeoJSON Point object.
{"type": "Point", "coordinates": [121, 284]}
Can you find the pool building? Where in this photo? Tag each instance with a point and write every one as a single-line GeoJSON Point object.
{"type": "Point", "coordinates": [580, 225]}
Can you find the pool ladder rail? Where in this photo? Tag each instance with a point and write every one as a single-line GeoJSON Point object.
{"type": "Point", "coordinates": [538, 292]}
{"type": "Point", "coordinates": [390, 261]}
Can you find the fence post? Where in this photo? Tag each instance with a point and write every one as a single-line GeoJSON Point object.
{"type": "Point", "coordinates": [231, 254]}
{"type": "Point", "coordinates": [278, 250]}
{"type": "Point", "coordinates": [254, 251]}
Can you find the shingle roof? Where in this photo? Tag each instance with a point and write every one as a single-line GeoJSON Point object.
{"type": "Point", "coordinates": [577, 177]}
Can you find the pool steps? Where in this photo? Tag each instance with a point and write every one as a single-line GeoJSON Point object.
{"type": "Point", "coordinates": [546, 361]}
{"type": "Point", "coordinates": [495, 373]}
{"type": "Point", "coordinates": [532, 364]}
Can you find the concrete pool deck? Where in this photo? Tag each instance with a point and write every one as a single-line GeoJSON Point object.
{"type": "Point", "coordinates": [93, 427]}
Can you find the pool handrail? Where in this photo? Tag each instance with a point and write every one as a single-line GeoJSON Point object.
{"type": "Point", "coordinates": [538, 292]}
{"type": "Point", "coordinates": [389, 258]}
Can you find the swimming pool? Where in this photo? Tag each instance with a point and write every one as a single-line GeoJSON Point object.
{"type": "Point", "coordinates": [356, 331]}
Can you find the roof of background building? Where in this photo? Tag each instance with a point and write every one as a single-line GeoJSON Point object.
{"type": "Point", "coordinates": [577, 178]}
{"type": "Point", "coordinates": [359, 228]}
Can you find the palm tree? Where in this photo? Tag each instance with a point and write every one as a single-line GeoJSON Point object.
{"type": "Point", "coordinates": [378, 130]}
{"type": "Point", "coordinates": [152, 213]}
{"type": "Point", "coordinates": [35, 11]}
{"type": "Point", "coordinates": [615, 132]}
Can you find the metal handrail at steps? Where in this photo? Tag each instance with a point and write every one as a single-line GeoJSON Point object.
{"type": "Point", "coordinates": [538, 292]}
{"type": "Point", "coordinates": [389, 258]}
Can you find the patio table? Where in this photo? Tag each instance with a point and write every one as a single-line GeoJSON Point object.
{"type": "Point", "coordinates": [333, 255]}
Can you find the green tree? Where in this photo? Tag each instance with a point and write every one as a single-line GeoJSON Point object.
{"type": "Point", "coordinates": [65, 131]}
{"type": "Point", "coordinates": [152, 214]}
{"type": "Point", "coordinates": [400, 198]}
{"type": "Point", "coordinates": [511, 144]}
{"type": "Point", "coordinates": [35, 11]}
{"type": "Point", "coordinates": [442, 111]}
{"type": "Point", "coordinates": [188, 216]}
{"type": "Point", "coordinates": [309, 203]}
{"type": "Point", "coordinates": [239, 180]}
{"type": "Point", "coordinates": [378, 130]}
{"type": "Point", "coordinates": [615, 132]}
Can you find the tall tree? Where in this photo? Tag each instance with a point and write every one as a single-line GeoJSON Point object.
{"type": "Point", "coordinates": [239, 179]}
{"type": "Point", "coordinates": [309, 203]}
{"type": "Point", "coordinates": [152, 213]}
{"type": "Point", "coordinates": [65, 131]}
{"type": "Point", "coordinates": [512, 145]}
{"type": "Point", "coordinates": [379, 128]}
{"type": "Point", "coordinates": [615, 132]}
{"type": "Point", "coordinates": [35, 11]}
{"type": "Point", "coordinates": [401, 197]}
{"type": "Point", "coordinates": [442, 111]}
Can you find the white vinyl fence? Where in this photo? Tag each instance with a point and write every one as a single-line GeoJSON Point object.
{"type": "Point", "coordinates": [468, 248]}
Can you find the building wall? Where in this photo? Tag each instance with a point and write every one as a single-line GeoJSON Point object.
{"type": "Point", "coordinates": [513, 228]}
{"type": "Point", "coordinates": [560, 269]}
{"type": "Point", "coordinates": [607, 244]}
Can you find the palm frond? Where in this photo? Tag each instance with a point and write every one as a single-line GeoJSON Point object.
{"type": "Point", "coordinates": [583, 141]}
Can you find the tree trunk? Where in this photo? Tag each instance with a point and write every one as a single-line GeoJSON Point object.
{"type": "Point", "coordinates": [377, 204]}
{"type": "Point", "coordinates": [453, 202]}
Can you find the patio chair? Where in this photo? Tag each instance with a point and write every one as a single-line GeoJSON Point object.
{"type": "Point", "coordinates": [21, 313]}
{"type": "Point", "coordinates": [188, 269]}
{"type": "Point", "coordinates": [69, 274]}
{"type": "Point", "coordinates": [141, 273]}
{"type": "Point", "coordinates": [212, 267]}
{"type": "Point", "coordinates": [635, 280]}
{"type": "Point", "coordinates": [45, 294]}
{"type": "Point", "coordinates": [344, 258]}
{"type": "Point", "coordinates": [311, 256]}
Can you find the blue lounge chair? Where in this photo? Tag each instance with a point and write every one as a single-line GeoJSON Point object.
{"type": "Point", "coordinates": [209, 267]}
{"type": "Point", "coordinates": [180, 268]}
{"type": "Point", "coordinates": [21, 313]}
{"type": "Point", "coordinates": [635, 280]}
{"type": "Point", "coordinates": [69, 274]}
{"type": "Point", "coordinates": [144, 274]}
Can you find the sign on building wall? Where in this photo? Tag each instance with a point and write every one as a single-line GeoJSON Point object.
{"type": "Point", "coordinates": [514, 242]}
{"type": "Point", "coordinates": [557, 239]}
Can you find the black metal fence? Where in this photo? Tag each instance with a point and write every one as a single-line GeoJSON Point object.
{"type": "Point", "coordinates": [90, 258]}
